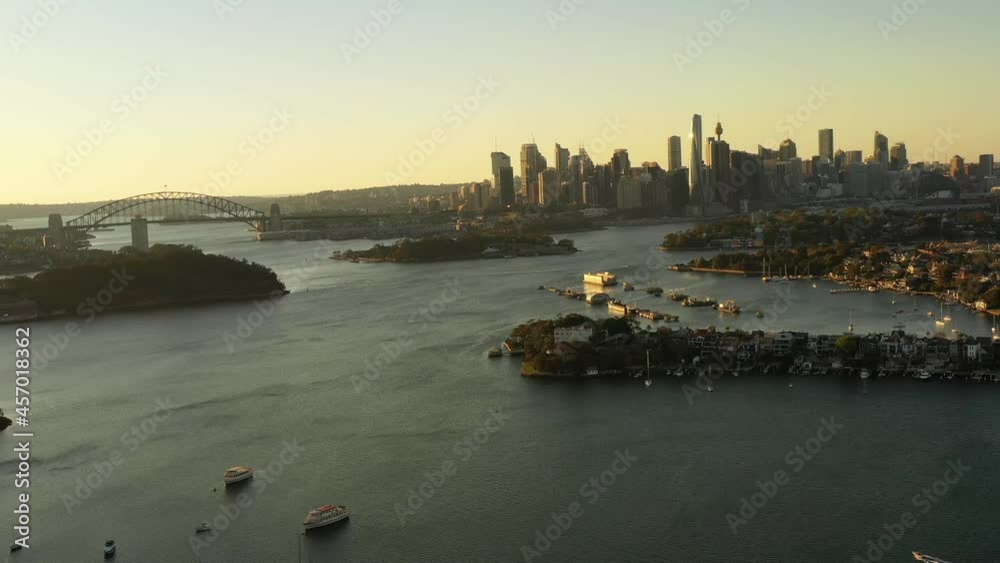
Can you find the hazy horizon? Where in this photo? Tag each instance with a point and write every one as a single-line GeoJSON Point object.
{"type": "Point", "coordinates": [211, 75]}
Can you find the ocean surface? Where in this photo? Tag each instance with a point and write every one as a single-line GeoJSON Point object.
{"type": "Point", "coordinates": [369, 386]}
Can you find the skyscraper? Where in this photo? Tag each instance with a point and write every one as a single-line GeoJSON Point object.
{"type": "Point", "coordinates": [826, 144]}
{"type": "Point", "coordinates": [957, 167]}
{"type": "Point", "coordinates": [532, 163]}
{"type": "Point", "coordinates": [897, 157]}
{"type": "Point", "coordinates": [674, 160]}
{"type": "Point", "coordinates": [498, 160]}
{"type": "Point", "coordinates": [986, 166]}
{"type": "Point", "coordinates": [697, 160]}
{"type": "Point", "coordinates": [719, 173]}
{"type": "Point", "coordinates": [881, 150]}
{"type": "Point", "coordinates": [562, 160]}
{"type": "Point", "coordinates": [620, 163]}
{"type": "Point", "coordinates": [788, 150]}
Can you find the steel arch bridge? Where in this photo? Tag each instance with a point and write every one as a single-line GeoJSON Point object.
{"type": "Point", "coordinates": [118, 212]}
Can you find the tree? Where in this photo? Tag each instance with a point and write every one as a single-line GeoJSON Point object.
{"type": "Point", "coordinates": [847, 346]}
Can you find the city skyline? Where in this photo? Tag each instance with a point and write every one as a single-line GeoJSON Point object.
{"type": "Point", "coordinates": [333, 118]}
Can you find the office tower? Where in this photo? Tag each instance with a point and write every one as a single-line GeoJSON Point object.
{"type": "Point", "coordinates": [674, 159]}
{"type": "Point", "coordinates": [839, 160]}
{"type": "Point", "coordinates": [548, 187]}
{"type": "Point", "coordinates": [876, 177]}
{"type": "Point", "coordinates": [719, 166]}
{"type": "Point", "coordinates": [765, 153]}
{"type": "Point", "coordinates": [678, 190]}
{"type": "Point", "coordinates": [826, 144]}
{"type": "Point", "coordinates": [697, 162]}
{"type": "Point", "coordinates": [620, 164]}
{"type": "Point", "coordinates": [881, 150]}
{"type": "Point", "coordinates": [532, 164]}
{"type": "Point", "coordinates": [857, 179]}
{"type": "Point", "coordinates": [788, 150]}
{"type": "Point", "coordinates": [562, 160]}
{"type": "Point", "coordinates": [897, 157]}
{"type": "Point", "coordinates": [498, 160]}
{"type": "Point", "coordinates": [855, 156]}
{"type": "Point", "coordinates": [957, 167]}
{"type": "Point", "coordinates": [505, 186]}
{"type": "Point", "coordinates": [986, 166]}
{"type": "Point", "coordinates": [747, 176]}
{"type": "Point", "coordinates": [629, 192]}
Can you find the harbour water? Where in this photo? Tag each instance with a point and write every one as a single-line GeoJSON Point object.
{"type": "Point", "coordinates": [378, 374]}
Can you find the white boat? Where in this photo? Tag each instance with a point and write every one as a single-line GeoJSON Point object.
{"type": "Point", "coordinates": [598, 298]}
{"type": "Point", "coordinates": [649, 373]}
{"type": "Point", "coordinates": [110, 549]}
{"type": "Point", "coordinates": [927, 558]}
{"type": "Point", "coordinates": [604, 279]}
{"type": "Point", "coordinates": [325, 515]}
{"type": "Point", "coordinates": [203, 527]}
{"type": "Point", "coordinates": [236, 474]}
{"type": "Point", "coordinates": [924, 375]}
{"type": "Point", "coordinates": [865, 374]}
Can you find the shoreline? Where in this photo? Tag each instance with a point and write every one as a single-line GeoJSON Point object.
{"type": "Point", "coordinates": [177, 303]}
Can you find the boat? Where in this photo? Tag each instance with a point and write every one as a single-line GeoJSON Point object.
{"type": "Point", "coordinates": [730, 307]}
{"type": "Point", "coordinates": [927, 558]}
{"type": "Point", "coordinates": [654, 291]}
{"type": "Point", "coordinates": [203, 527]}
{"type": "Point", "coordinates": [649, 373]}
{"type": "Point", "coordinates": [598, 298]}
{"type": "Point", "coordinates": [604, 279]}
{"type": "Point", "coordinates": [541, 288]}
{"type": "Point", "coordinates": [865, 374]}
{"type": "Point", "coordinates": [699, 302]}
{"type": "Point", "coordinates": [495, 353]}
{"type": "Point", "coordinates": [617, 307]}
{"type": "Point", "coordinates": [234, 475]}
{"type": "Point", "coordinates": [677, 295]}
{"type": "Point", "coordinates": [325, 515]}
{"type": "Point", "coordinates": [766, 277]}
{"type": "Point", "coordinates": [628, 287]}
{"type": "Point", "coordinates": [760, 314]}
{"type": "Point", "coordinates": [110, 549]}
{"type": "Point", "coordinates": [924, 375]}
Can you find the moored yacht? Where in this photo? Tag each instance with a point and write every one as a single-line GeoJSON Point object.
{"type": "Point", "coordinates": [325, 515]}
{"type": "Point", "coordinates": [603, 279]}
{"type": "Point", "coordinates": [234, 475]}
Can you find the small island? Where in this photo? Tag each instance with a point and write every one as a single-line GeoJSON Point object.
{"type": "Point", "coordinates": [165, 275]}
{"type": "Point", "coordinates": [463, 247]}
{"type": "Point", "coordinates": [578, 347]}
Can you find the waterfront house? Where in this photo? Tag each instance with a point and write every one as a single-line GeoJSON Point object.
{"type": "Point", "coordinates": [576, 334]}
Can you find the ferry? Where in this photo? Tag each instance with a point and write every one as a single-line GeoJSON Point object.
{"type": "Point", "coordinates": [110, 549]}
{"type": "Point", "coordinates": [617, 307]}
{"type": "Point", "coordinates": [730, 307]}
{"type": "Point", "coordinates": [927, 558]}
{"type": "Point", "coordinates": [234, 475]}
{"type": "Point", "coordinates": [700, 302]}
{"type": "Point", "coordinates": [676, 295]}
{"type": "Point", "coordinates": [604, 279]}
{"type": "Point", "coordinates": [598, 298]}
{"type": "Point", "coordinates": [325, 515]}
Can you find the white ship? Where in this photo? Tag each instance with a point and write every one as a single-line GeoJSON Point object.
{"type": "Point", "coordinates": [236, 474]}
{"type": "Point", "coordinates": [325, 515]}
{"type": "Point", "coordinates": [598, 298]}
{"type": "Point", "coordinates": [604, 279]}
